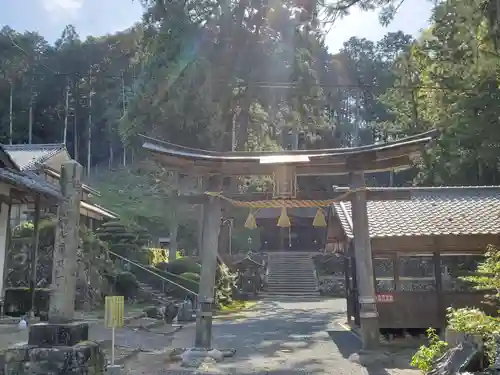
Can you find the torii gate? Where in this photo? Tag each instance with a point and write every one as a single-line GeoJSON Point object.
{"type": "Point", "coordinates": [285, 167]}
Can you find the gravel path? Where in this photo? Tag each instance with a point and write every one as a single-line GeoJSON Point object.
{"type": "Point", "coordinates": [134, 338]}
{"type": "Point", "coordinates": [278, 338]}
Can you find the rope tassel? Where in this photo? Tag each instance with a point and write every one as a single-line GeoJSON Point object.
{"type": "Point", "coordinates": [250, 221]}
{"type": "Point", "coordinates": [284, 220]}
{"type": "Point", "coordinates": [319, 219]}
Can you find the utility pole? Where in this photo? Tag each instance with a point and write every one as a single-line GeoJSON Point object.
{"type": "Point", "coordinates": [11, 118]}
{"type": "Point", "coordinates": [30, 119]}
{"type": "Point", "coordinates": [174, 227]}
{"type": "Point", "coordinates": [89, 137]}
{"type": "Point", "coordinates": [356, 141]}
{"type": "Point", "coordinates": [124, 109]}
{"type": "Point", "coordinates": [76, 101]}
{"type": "Point", "coordinates": [66, 114]}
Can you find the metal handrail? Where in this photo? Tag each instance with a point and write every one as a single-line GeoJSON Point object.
{"type": "Point", "coordinates": [154, 273]}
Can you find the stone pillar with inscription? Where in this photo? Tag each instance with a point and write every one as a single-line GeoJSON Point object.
{"type": "Point", "coordinates": [64, 266]}
{"type": "Point", "coordinates": [61, 345]}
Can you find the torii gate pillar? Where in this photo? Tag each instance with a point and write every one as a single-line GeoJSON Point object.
{"type": "Point", "coordinates": [211, 228]}
{"type": "Point", "coordinates": [364, 264]}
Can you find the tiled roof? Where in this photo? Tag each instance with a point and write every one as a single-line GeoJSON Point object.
{"type": "Point", "coordinates": [29, 157]}
{"type": "Point", "coordinates": [99, 210]}
{"type": "Point", "coordinates": [431, 212]}
{"type": "Point", "coordinates": [30, 182]}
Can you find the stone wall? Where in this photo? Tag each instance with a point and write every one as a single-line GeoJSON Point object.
{"type": "Point", "coordinates": [85, 358]}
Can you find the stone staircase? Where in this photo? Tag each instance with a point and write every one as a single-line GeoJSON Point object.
{"type": "Point", "coordinates": [291, 274]}
{"type": "Point", "coordinates": [153, 294]}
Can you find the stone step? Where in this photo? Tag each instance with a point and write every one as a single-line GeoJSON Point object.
{"type": "Point", "coordinates": [289, 264]}
{"type": "Point", "coordinates": [291, 290]}
{"type": "Point", "coordinates": [289, 280]}
{"type": "Point", "coordinates": [297, 275]}
{"type": "Point", "coordinates": [287, 284]}
{"type": "Point", "coordinates": [290, 294]}
{"type": "Point", "coordinates": [312, 287]}
{"type": "Point", "coordinates": [297, 298]}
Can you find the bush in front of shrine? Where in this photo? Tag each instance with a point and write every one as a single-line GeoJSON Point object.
{"type": "Point", "coordinates": [180, 266]}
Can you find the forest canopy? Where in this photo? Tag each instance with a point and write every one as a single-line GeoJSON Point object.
{"type": "Point", "coordinates": [192, 72]}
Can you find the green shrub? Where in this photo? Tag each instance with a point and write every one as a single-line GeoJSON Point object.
{"type": "Point", "coordinates": [184, 265]}
{"type": "Point", "coordinates": [225, 284]}
{"type": "Point", "coordinates": [426, 355]}
{"type": "Point", "coordinates": [126, 285]}
{"type": "Point", "coordinates": [189, 283]}
{"type": "Point", "coordinates": [191, 276]}
{"type": "Point", "coordinates": [157, 256]}
{"type": "Point", "coordinates": [476, 322]}
{"type": "Point", "coordinates": [162, 266]}
{"type": "Point", "coordinates": [125, 239]}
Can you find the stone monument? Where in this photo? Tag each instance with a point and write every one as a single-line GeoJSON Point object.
{"type": "Point", "coordinates": [60, 346]}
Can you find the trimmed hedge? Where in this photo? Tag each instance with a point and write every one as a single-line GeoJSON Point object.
{"type": "Point", "coordinates": [191, 276]}
{"type": "Point", "coordinates": [183, 265]}
{"type": "Point", "coordinates": [126, 284]}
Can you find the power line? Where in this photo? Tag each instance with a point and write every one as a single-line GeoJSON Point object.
{"type": "Point", "coordinates": [28, 55]}
{"type": "Point", "coordinates": [288, 85]}
{"type": "Point", "coordinates": [262, 84]}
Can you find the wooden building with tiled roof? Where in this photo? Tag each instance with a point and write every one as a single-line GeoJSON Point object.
{"type": "Point", "coordinates": [420, 248]}
{"type": "Point", "coordinates": [45, 160]}
{"type": "Point", "coordinates": [18, 187]}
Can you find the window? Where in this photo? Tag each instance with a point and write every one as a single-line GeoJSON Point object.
{"type": "Point", "coordinates": [416, 273]}
{"type": "Point", "coordinates": [453, 266]}
{"type": "Point", "coordinates": [384, 274]}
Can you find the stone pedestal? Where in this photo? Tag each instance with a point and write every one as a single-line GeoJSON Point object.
{"type": "Point", "coordinates": [85, 358]}
{"type": "Point", "coordinates": [56, 349]}
{"type": "Point", "coordinates": [51, 334]}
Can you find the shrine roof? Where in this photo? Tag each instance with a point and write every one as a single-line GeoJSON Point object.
{"type": "Point", "coordinates": [30, 156]}
{"type": "Point", "coordinates": [29, 182]}
{"type": "Point", "coordinates": [431, 211]}
{"type": "Point", "coordinates": [375, 157]}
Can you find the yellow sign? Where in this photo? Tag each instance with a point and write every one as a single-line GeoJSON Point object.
{"type": "Point", "coordinates": [114, 311]}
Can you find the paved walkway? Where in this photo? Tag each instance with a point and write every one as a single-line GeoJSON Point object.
{"type": "Point", "coordinates": [279, 338]}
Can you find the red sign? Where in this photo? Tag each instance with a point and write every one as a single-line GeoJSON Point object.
{"type": "Point", "coordinates": [385, 298]}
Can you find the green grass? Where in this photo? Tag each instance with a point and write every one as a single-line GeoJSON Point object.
{"type": "Point", "coordinates": [137, 195]}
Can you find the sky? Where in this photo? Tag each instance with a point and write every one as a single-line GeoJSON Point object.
{"type": "Point", "coordinates": [100, 17]}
